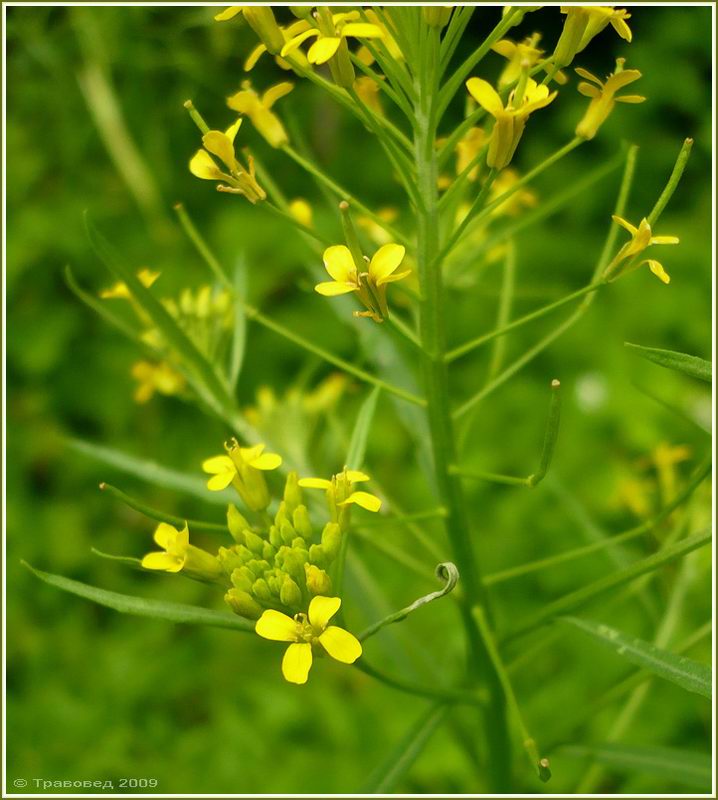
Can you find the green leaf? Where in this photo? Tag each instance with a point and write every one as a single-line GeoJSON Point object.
{"type": "Point", "coordinates": [684, 672]}
{"type": "Point", "coordinates": [206, 381]}
{"type": "Point", "coordinates": [141, 607]}
{"type": "Point", "coordinates": [618, 578]}
{"type": "Point", "coordinates": [397, 764]}
{"type": "Point", "coordinates": [682, 766]}
{"type": "Point", "coordinates": [692, 366]}
{"type": "Point", "coordinates": [362, 426]}
{"type": "Point", "coordinates": [239, 333]}
{"type": "Point", "coordinates": [149, 471]}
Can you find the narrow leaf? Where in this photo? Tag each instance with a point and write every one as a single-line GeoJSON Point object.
{"type": "Point", "coordinates": [362, 426]}
{"type": "Point", "coordinates": [682, 766]}
{"type": "Point", "coordinates": [618, 578]}
{"type": "Point", "coordinates": [684, 672]}
{"type": "Point", "coordinates": [239, 333]}
{"type": "Point", "coordinates": [141, 607]}
{"type": "Point", "coordinates": [149, 471]}
{"type": "Point", "coordinates": [692, 366]}
{"type": "Point", "coordinates": [398, 763]}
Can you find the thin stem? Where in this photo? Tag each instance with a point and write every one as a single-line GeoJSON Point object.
{"type": "Point", "coordinates": [461, 179]}
{"type": "Point", "coordinates": [160, 516]}
{"type": "Point", "coordinates": [287, 217]}
{"type": "Point", "coordinates": [673, 181]}
{"type": "Point", "coordinates": [402, 519]}
{"type": "Point", "coordinates": [201, 245]}
{"type": "Point", "coordinates": [492, 477]}
{"type": "Point", "coordinates": [404, 329]}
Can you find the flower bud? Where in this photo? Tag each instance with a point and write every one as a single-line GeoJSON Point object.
{"type": "Point", "coordinates": [268, 552]}
{"type": "Point", "coordinates": [262, 22]}
{"type": "Point", "coordinates": [287, 532]}
{"type": "Point", "coordinates": [236, 523]}
{"type": "Point", "coordinates": [229, 559]}
{"type": "Point", "coordinates": [294, 561]}
{"type": "Point", "coordinates": [260, 590]}
{"type": "Point", "coordinates": [203, 566]}
{"type": "Point", "coordinates": [318, 582]}
{"type": "Point", "coordinates": [331, 540]}
{"type": "Point", "coordinates": [302, 522]}
{"type": "Point", "coordinates": [436, 16]}
{"type": "Point", "coordinates": [298, 543]}
{"type": "Point", "coordinates": [241, 581]}
{"type": "Point", "coordinates": [317, 555]}
{"type": "Point", "coordinates": [243, 604]}
{"type": "Point", "coordinates": [254, 543]}
{"type": "Point", "coordinates": [258, 567]}
{"type": "Point", "coordinates": [290, 594]}
{"type": "Point", "coordinates": [292, 493]}
{"type": "Point", "coordinates": [275, 537]}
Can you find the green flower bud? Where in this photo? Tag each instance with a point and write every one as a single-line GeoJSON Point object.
{"type": "Point", "coordinates": [281, 515]}
{"type": "Point", "coordinates": [294, 561]}
{"type": "Point", "coordinates": [302, 523]}
{"type": "Point", "coordinates": [260, 590]}
{"type": "Point", "coordinates": [317, 555]}
{"type": "Point", "coordinates": [331, 540]}
{"type": "Point", "coordinates": [318, 582]}
{"type": "Point", "coordinates": [243, 604]}
{"type": "Point", "coordinates": [236, 523]}
{"type": "Point", "coordinates": [241, 581]}
{"type": "Point", "coordinates": [290, 594]}
{"type": "Point", "coordinates": [275, 537]}
{"type": "Point", "coordinates": [203, 566]}
{"type": "Point", "coordinates": [436, 16]}
{"type": "Point", "coordinates": [292, 493]}
{"type": "Point", "coordinates": [229, 558]}
{"type": "Point", "coordinates": [288, 533]}
{"type": "Point", "coordinates": [274, 583]}
{"type": "Point", "coordinates": [299, 543]}
{"type": "Point", "coordinates": [268, 552]}
{"type": "Point", "coordinates": [254, 542]}
{"type": "Point", "coordinates": [246, 574]}
{"type": "Point", "coordinates": [258, 567]}
{"type": "Point", "coordinates": [261, 19]}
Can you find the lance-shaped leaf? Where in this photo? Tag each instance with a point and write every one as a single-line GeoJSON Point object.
{"type": "Point", "coordinates": [684, 672]}
{"type": "Point", "coordinates": [142, 607]}
{"type": "Point", "coordinates": [692, 366]}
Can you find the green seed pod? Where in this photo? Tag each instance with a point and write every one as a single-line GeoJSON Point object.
{"type": "Point", "coordinates": [318, 582]}
{"type": "Point", "coordinates": [243, 604]}
{"type": "Point", "coordinates": [290, 594]}
{"type": "Point", "coordinates": [236, 523]}
{"type": "Point", "coordinates": [317, 555]}
{"type": "Point", "coordinates": [301, 521]}
{"type": "Point", "coordinates": [331, 540]}
{"type": "Point", "coordinates": [292, 493]}
{"type": "Point", "coordinates": [260, 590]}
{"type": "Point", "coordinates": [241, 581]}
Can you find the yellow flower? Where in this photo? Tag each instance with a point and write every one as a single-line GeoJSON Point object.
{"type": "Point", "coordinates": [300, 209]}
{"type": "Point", "coordinates": [221, 145]}
{"type": "Point", "coordinates": [261, 20]}
{"type": "Point", "coordinates": [289, 32]}
{"type": "Point", "coordinates": [369, 93]}
{"type": "Point", "coordinates": [328, 42]}
{"type": "Point", "coordinates": [370, 286]}
{"type": "Point", "coordinates": [306, 632]}
{"type": "Point", "coordinates": [179, 555]}
{"type": "Point", "coordinates": [582, 24]}
{"type": "Point", "coordinates": [641, 238]}
{"type": "Point", "coordinates": [467, 149]}
{"type": "Point", "coordinates": [248, 102]}
{"type": "Point", "coordinates": [243, 467]}
{"type": "Point", "coordinates": [510, 119]}
{"type": "Point", "coordinates": [522, 55]}
{"type": "Point", "coordinates": [364, 54]}
{"type": "Point", "coordinates": [152, 378]}
{"type": "Point", "coordinates": [119, 290]}
{"type": "Point", "coordinates": [340, 486]}
{"type": "Point", "coordinates": [603, 97]}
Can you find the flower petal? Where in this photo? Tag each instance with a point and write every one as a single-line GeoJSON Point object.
{"type": "Point", "coordinates": [341, 644]}
{"type": "Point", "coordinates": [276, 626]}
{"type": "Point", "coordinates": [362, 30]}
{"type": "Point", "coordinates": [202, 165]}
{"type": "Point", "coordinates": [485, 95]}
{"type": "Point", "coordinates": [386, 260]}
{"type": "Point", "coordinates": [339, 263]}
{"type": "Point", "coordinates": [665, 240]}
{"type": "Point", "coordinates": [228, 13]}
{"type": "Point", "coordinates": [231, 132]}
{"type": "Point", "coordinates": [315, 483]}
{"type": "Point", "coordinates": [297, 662]}
{"type": "Point", "coordinates": [334, 288]}
{"type": "Point", "coordinates": [657, 269]}
{"type": "Point", "coordinates": [588, 89]}
{"type": "Point", "coordinates": [322, 609]}
{"type": "Point", "coordinates": [294, 43]}
{"type": "Point", "coordinates": [354, 476]}
{"type": "Point", "coordinates": [164, 534]}
{"type": "Point", "coordinates": [220, 145]}
{"type": "Point", "coordinates": [254, 56]}
{"type": "Point", "coordinates": [218, 464]}
{"type": "Point", "coordinates": [218, 482]}
{"type": "Point", "coordinates": [323, 49]}
{"type": "Point", "coordinates": [363, 499]}
{"type": "Point", "coordinates": [270, 97]}
{"type": "Point", "coordinates": [589, 76]}
{"type": "Point", "coordinates": [396, 276]}
{"type": "Point", "coordinates": [625, 224]}
{"type": "Point", "coordinates": [163, 562]}
{"type": "Point", "coordinates": [631, 98]}
{"type": "Point", "coordinates": [267, 461]}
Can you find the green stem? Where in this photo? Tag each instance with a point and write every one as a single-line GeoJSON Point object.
{"type": "Point", "coordinates": [673, 182]}
{"type": "Point", "coordinates": [201, 246]}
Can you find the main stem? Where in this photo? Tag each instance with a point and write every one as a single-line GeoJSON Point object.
{"type": "Point", "coordinates": [434, 367]}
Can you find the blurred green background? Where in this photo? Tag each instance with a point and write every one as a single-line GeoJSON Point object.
{"type": "Point", "coordinates": [95, 695]}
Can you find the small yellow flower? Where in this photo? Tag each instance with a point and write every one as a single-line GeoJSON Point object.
{"type": "Point", "coordinates": [342, 490]}
{"type": "Point", "coordinates": [603, 97]}
{"type": "Point", "coordinates": [521, 55]}
{"type": "Point", "coordinates": [306, 632]}
{"type": "Point", "coordinates": [221, 145]}
{"type": "Point", "coordinates": [119, 290]}
{"type": "Point", "coordinates": [327, 44]}
{"type": "Point", "coordinates": [510, 119]}
{"type": "Point", "coordinates": [370, 286]}
{"type": "Point", "coordinates": [261, 20]}
{"type": "Point", "coordinates": [641, 238]}
{"type": "Point", "coordinates": [152, 378]}
{"type": "Point", "coordinates": [243, 467]}
{"type": "Point", "coordinates": [180, 556]}
{"type": "Point", "coordinates": [258, 109]}
{"type": "Point", "coordinates": [288, 32]}
{"type": "Point", "coordinates": [582, 24]}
